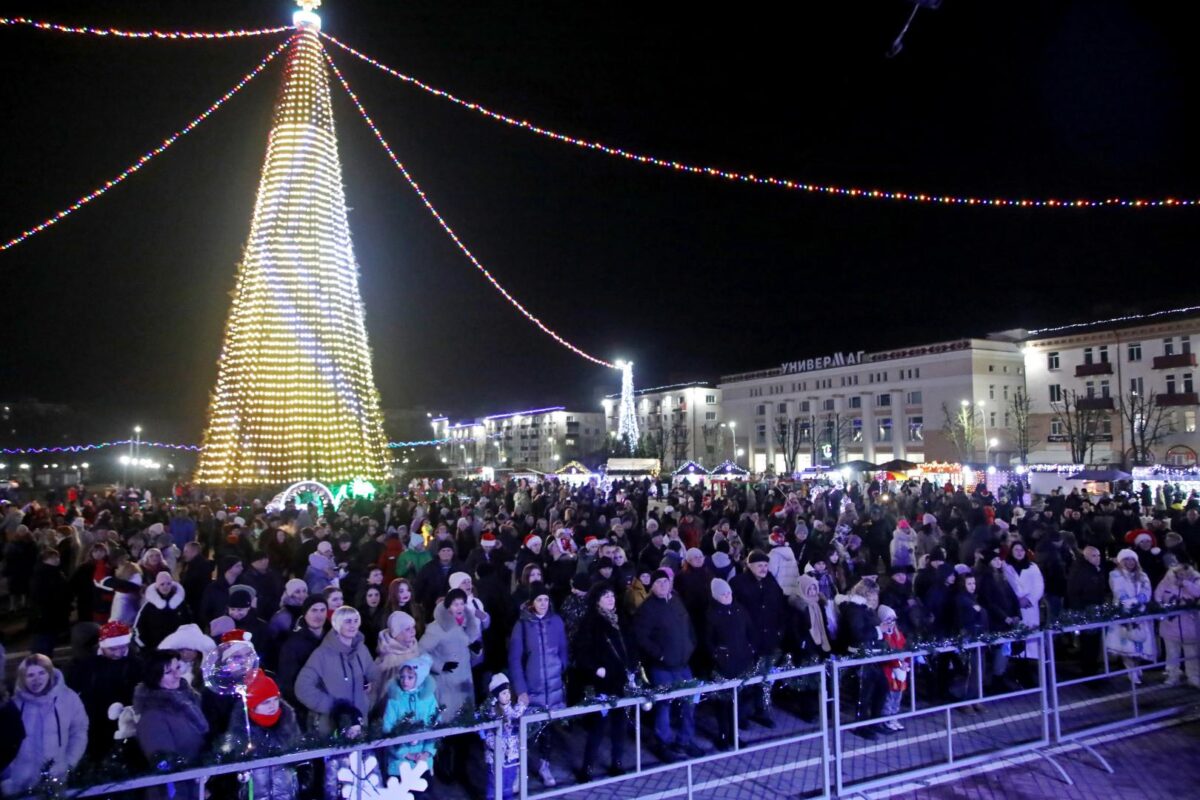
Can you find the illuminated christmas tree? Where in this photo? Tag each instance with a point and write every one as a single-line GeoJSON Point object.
{"type": "Point", "coordinates": [295, 398]}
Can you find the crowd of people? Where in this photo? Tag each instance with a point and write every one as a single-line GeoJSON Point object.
{"type": "Point", "coordinates": [454, 602]}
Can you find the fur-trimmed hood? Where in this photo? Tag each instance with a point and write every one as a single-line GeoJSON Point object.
{"type": "Point", "coordinates": [161, 603]}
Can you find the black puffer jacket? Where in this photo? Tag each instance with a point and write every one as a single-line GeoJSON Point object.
{"type": "Point", "coordinates": [764, 601]}
{"type": "Point", "coordinates": [664, 633]}
{"type": "Point", "coordinates": [728, 634]}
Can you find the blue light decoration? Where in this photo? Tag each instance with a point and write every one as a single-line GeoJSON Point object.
{"type": "Point", "coordinates": [627, 424]}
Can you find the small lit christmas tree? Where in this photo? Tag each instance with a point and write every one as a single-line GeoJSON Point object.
{"type": "Point", "coordinates": [295, 397]}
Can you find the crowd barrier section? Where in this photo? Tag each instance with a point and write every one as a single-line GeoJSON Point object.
{"type": "Point", "coordinates": [961, 706]}
{"type": "Point", "coordinates": [1107, 692]}
{"type": "Point", "coordinates": [952, 714]}
{"type": "Point", "coordinates": [794, 755]}
{"type": "Point", "coordinates": [366, 749]}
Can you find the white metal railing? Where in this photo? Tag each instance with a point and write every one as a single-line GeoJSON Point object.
{"type": "Point", "coordinates": [641, 771]}
{"type": "Point", "coordinates": [1054, 706]}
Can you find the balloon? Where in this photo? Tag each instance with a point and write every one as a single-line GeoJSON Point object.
{"type": "Point", "coordinates": [229, 667]}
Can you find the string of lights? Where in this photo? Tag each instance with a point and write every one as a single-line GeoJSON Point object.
{"type": "Point", "coordinates": [766, 180]}
{"type": "Point", "coordinates": [450, 231]}
{"type": "Point", "coordinates": [83, 448]}
{"type": "Point", "coordinates": [152, 34]}
{"type": "Point", "coordinates": [195, 448]}
{"type": "Point", "coordinates": [145, 157]}
{"type": "Point", "coordinates": [1113, 320]}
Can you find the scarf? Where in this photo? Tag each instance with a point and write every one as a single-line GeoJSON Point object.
{"type": "Point", "coordinates": [609, 615]}
{"type": "Point", "coordinates": [816, 625]}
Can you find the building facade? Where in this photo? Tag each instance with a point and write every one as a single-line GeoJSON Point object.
{"type": "Point", "coordinates": [878, 406]}
{"type": "Point", "coordinates": [678, 423]}
{"type": "Point", "coordinates": [1124, 390]}
{"type": "Point", "coordinates": [542, 439]}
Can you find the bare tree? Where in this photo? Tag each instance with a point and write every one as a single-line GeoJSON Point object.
{"type": "Point", "coordinates": [1020, 406]}
{"type": "Point", "coordinates": [961, 428]}
{"type": "Point", "coordinates": [1147, 422]}
{"type": "Point", "coordinates": [835, 433]}
{"type": "Point", "coordinates": [679, 442]}
{"type": "Point", "coordinates": [1081, 423]}
{"type": "Point", "coordinates": [790, 437]}
{"type": "Point", "coordinates": [712, 443]}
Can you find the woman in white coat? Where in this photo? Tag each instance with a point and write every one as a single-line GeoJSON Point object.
{"type": "Point", "coordinates": [1028, 585]}
{"type": "Point", "coordinates": [1135, 641]}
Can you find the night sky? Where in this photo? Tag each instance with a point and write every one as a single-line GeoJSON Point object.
{"type": "Point", "coordinates": [121, 307]}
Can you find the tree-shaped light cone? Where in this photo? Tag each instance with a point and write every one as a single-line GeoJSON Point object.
{"type": "Point", "coordinates": [627, 424]}
{"type": "Point", "coordinates": [295, 397]}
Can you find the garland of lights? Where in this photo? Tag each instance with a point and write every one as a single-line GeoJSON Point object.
{"type": "Point", "coordinates": [450, 231]}
{"type": "Point", "coordinates": [741, 177]}
{"type": "Point", "coordinates": [148, 155]}
{"type": "Point", "coordinates": [195, 448]}
{"type": "Point", "coordinates": [1126, 318]}
{"type": "Point", "coordinates": [123, 34]}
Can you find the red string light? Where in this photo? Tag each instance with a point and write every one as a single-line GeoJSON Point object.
{"type": "Point", "coordinates": [147, 156]}
{"type": "Point", "coordinates": [741, 177]}
{"type": "Point", "coordinates": [450, 231]}
{"type": "Point", "coordinates": [122, 34]}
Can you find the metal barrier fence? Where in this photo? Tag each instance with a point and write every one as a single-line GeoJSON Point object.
{"type": "Point", "coordinates": [365, 749]}
{"type": "Point", "coordinates": [959, 707]}
{"type": "Point", "coordinates": [784, 757]}
{"type": "Point", "coordinates": [1103, 690]}
{"type": "Point", "coordinates": [938, 719]}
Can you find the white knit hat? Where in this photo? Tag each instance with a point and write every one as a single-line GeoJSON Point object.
{"type": "Point", "coordinates": [187, 637]}
{"type": "Point", "coordinates": [457, 579]}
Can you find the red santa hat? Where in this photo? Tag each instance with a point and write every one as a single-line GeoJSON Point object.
{"type": "Point", "coordinates": [1132, 537]}
{"type": "Point", "coordinates": [530, 539]}
{"type": "Point", "coordinates": [488, 540]}
{"type": "Point", "coordinates": [591, 543]}
{"type": "Point", "coordinates": [236, 635]}
{"type": "Point", "coordinates": [777, 538]}
{"type": "Point", "coordinates": [115, 634]}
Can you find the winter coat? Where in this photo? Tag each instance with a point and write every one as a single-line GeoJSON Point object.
{"type": "Point", "coordinates": [335, 675]}
{"type": "Point", "coordinates": [274, 782]}
{"type": "Point", "coordinates": [56, 727]}
{"type": "Point", "coordinates": [12, 733]}
{"type": "Point", "coordinates": [410, 562]}
{"type": "Point", "coordinates": [858, 624]}
{"type": "Point", "coordinates": [1180, 588]}
{"type": "Point", "coordinates": [1132, 640]}
{"type": "Point", "coordinates": [268, 588]}
{"type": "Point", "coordinates": [390, 657]}
{"type": "Point", "coordinates": [159, 617]}
{"type": "Point", "coordinates": [904, 548]}
{"type": "Point", "coordinates": [664, 633]}
{"type": "Point", "coordinates": [996, 595]}
{"type": "Point", "coordinates": [433, 582]}
{"type": "Point", "coordinates": [897, 670]}
{"type": "Point", "coordinates": [728, 635]}
{"type": "Point", "coordinates": [1086, 586]}
{"type": "Point", "coordinates": [214, 602]}
{"type": "Point", "coordinates": [972, 616]}
{"type": "Point", "coordinates": [127, 599]}
{"type": "Point", "coordinates": [782, 564]}
{"type": "Point", "coordinates": [170, 723]}
{"type": "Point", "coordinates": [20, 557]}
{"type": "Point", "coordinates": [196, 575]}
{"type": "Point", "coordinates": [446, 641]}
{"type": "Point", "coordinates": [293, 655]}
{"type": "Point", "coordinates": [767, 607]}
{"type": "Point", "coordinates": [537, 658]}
{"type": "Point", "coordinates": [101, 682]}
{"type": "Point", "coordinates": [416, 707]}
{"type": "Point", "coordinates": [598, 644]}
{"type": "Point", "coordinates": [50, 601]}
{"type": "Point", "coordinates": [318, 576]}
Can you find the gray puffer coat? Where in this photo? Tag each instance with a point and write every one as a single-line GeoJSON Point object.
{"type": "Point", "coordinates": [170, 722]}
{"type": "Point", "coordinates": [537, 658]}
{"type": "Point", "coordinates": [336, 674]}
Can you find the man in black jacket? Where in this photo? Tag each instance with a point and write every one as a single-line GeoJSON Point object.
{"type": "Point", "coordinates": [215, 599]}
{"type": "Point", "coordinates": [759, 592]}
{"type": "Point", "coordinates": [666, 640]}
{"type": "Point", "coordinates": [727, 633]}
{"type": "Point", "coordinates": [195, 574]}
{"type": "Point", "coordinates": [1087, 585]}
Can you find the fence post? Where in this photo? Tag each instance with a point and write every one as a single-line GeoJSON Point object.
{"type": "Point", "coordinates": [497, 761]}
{"type": "Point", "coordinates": [837, 728]}
{"type": "Point", "coordinates": [823, 697]}
{"type": "Point", "coordinates": [1050, 687]}
{"type": "Point", "coordinates": [736, 718]}
{"type": "Point", "coordinates": [523, 763]}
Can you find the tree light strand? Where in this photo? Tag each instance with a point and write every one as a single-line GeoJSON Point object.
{"type": "Point", "coordinates": [195, 448]}
{"type": "Point", "coordinates": [450, 231]}
{"type": "Point", "coordinates": [751, 178]}
{"type": "Point", "coordinates": [123, 34]}
{"type": "Point", "coordinates": [1113, 320]}
{"type": "Point", "coordinates": [145, 157]}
